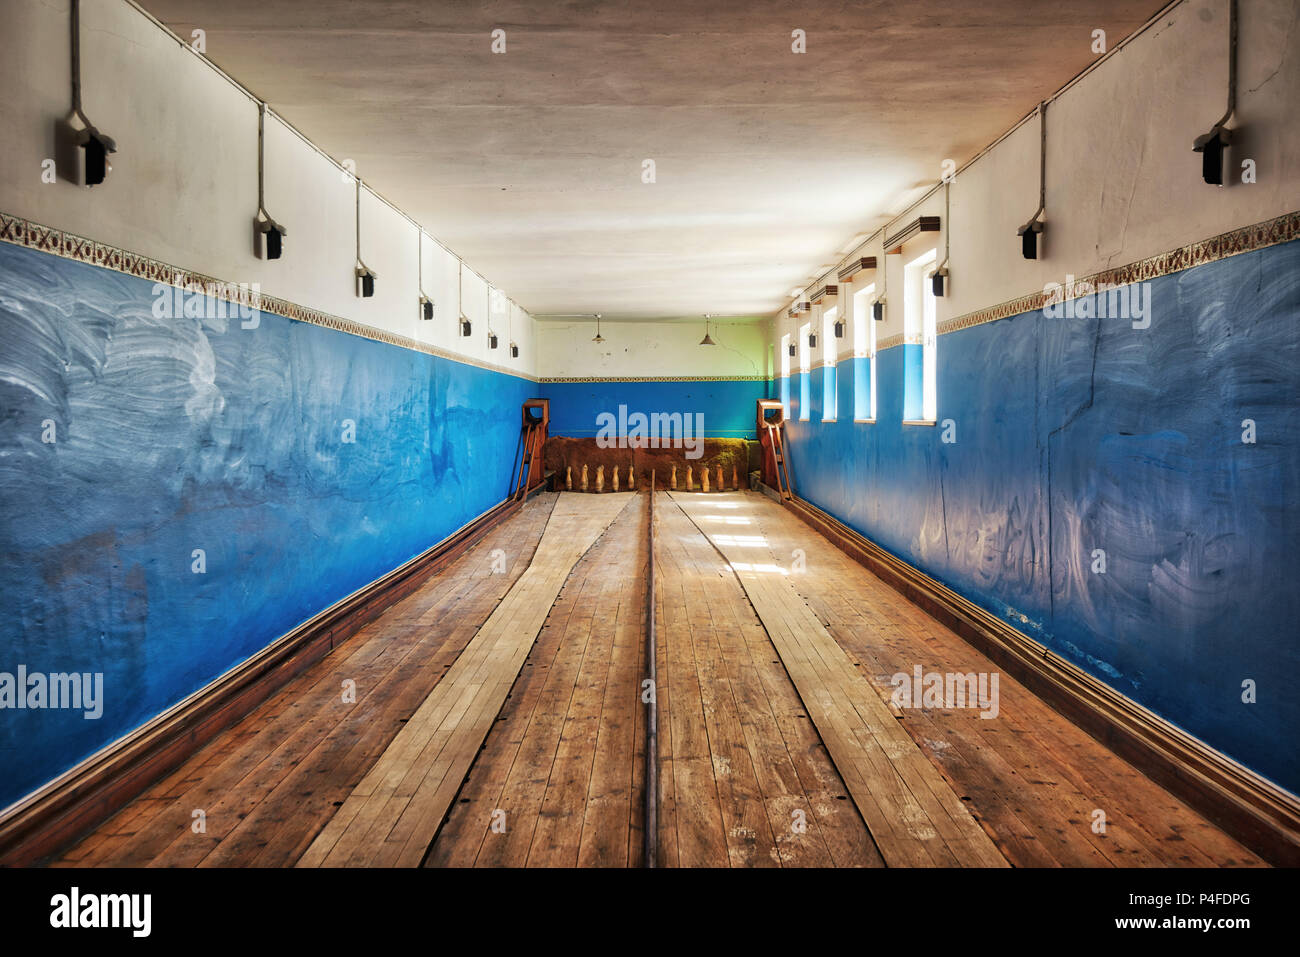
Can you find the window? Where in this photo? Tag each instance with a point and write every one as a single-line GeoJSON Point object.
{"type": "Point", "coordinates": [829, 347]}
{"type": "Point", "coordinates": [805, 361]}
{"type": "Point", "coordinates": [920, 393]}
{"type": "Point", "coordinates": [864, 355]}
{"type": "Point", "coordinates": [785, 375]}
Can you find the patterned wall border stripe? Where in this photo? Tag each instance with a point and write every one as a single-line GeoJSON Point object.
{"type": "Point", "coordinates": [1244, 240]}
{"type": "Point", "coordinates": [544, 380]}
{"type": "Point", "coordinates": [23, 232]}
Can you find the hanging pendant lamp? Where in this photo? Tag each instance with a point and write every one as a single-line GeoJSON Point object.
{"type": "Point", "coordinates": [707, 340]}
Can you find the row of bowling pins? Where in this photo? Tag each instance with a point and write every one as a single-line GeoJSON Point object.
{"type": "Point", "coordinates": [585, 486]}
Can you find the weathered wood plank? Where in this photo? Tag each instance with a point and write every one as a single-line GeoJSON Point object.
{"type": "Point", "coordinates": [913, 814]}
{"type": "Point", "coordinates": [390, 819]}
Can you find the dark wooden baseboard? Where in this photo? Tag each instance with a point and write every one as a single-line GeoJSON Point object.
{"type": "Point", "coordinates": [1254, 810]}
{"type": "Point", "coordinates": [74, 803]}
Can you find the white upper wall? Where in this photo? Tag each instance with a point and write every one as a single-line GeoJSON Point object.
{"type": "Point", "coordinates": [1122, 181]}
{"type": "Point", "coordinates": [651, 349]}
{"type": "Point", "coordinates": [183, 188]}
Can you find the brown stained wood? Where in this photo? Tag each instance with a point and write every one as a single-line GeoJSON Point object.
{"type": "Point", "coordinates": [737, 762]}
{"type": "Point", "coordinates": [391, 817]}
{"type": "Point", "coordinates": [739, 754]}
{"type": "Point", "coordinates": [1032, 776]}
{"type": "Point", "coordinates": [300, 791]}
{"type": "Point", "coordinates": [912, 812]}
{"type": "Point", "coordinates": [560, 761]}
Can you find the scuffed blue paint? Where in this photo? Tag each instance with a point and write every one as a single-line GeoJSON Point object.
{"type": "Point", "coordinates": [1082, 434]}
{"type": "Point", "coordinates": [728, 406]}
{"type": "Point", "coordinates": [183, 434]}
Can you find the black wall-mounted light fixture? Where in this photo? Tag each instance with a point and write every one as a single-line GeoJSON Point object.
{"type": "Point", "coordinates": [365, 282]}
{"type": "Point", "coordinates": [268, 235]}
{"type": "Point", "coordinates": [812, 340]}
{"type": "Point", "coordinates": [514, 351]}
{"type": "Point", "coordinates": [1029, 239]}
{"type": "Point", "coordinates": [492, 340]}
{"type": "Point", "coordinates": [80, 152]}
{"type": "Point", "coordinates": [1029, 232]}
{"type": "Point", "coordinates": [878, 310]}
{"type": "Point", "coordinates": [364, 274]}
{"type": "Point", "coordinates": [1212, 145]}
{"type": "Point", "coordinates": [792, 350]}
{"type": "Point", "coordinates": [839, 328]}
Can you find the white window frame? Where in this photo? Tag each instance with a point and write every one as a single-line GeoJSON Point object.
{"type": "Point", "coordinates": [920, 320]}
{"type": "Point", "coordinates": [830, 359]}
{"type": "Point", "coordinates": [864, 345]}
{"type": "Point", "coordinates": [785, 372]}
{"type": "Point", "coordinates": [805, 371]}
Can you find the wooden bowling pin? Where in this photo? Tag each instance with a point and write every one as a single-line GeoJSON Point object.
{"type": "Point", "coordinates": [672, 482]}
{"type": "Point", "coordinates": [690, 478]}
{"type": "Point", "coordinates": [568, 477]}
{"type": "Point", "coordinates": [704, 478]}
{"type": "Point", "coordinates": [584, 478]}
{"type": "Point", "coordinates": [631, 478]}
{"type": "Point", "coordinates": [615, 471]}
{"type": "Point", "coordinates": [600, 478]}
{"type": "Point", "coordinates": [721, 485]}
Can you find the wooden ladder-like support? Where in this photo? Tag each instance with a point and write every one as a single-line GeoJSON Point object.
{"type": "Point", "coordinates": [778, 455]}
{"type": "Point", "coordinates": [528, 441]}
{"type": "Point", "coordinates": [532, 440]}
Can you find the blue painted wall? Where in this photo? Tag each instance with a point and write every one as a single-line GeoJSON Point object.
{"type": "Point", "coordinates": [1079, 434]}
{"type": "Point", "coordinates": [177, 434]}
{"type": "Point", "coordinates": [728, 406]}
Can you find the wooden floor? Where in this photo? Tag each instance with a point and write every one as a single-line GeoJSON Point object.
{"type": "Point", "coordinates": [561, 771]}
{"type": "Point", "coordinates": [555, 777]}
{"type": "Point", "coordinates": [913, 814]}
{"type": "Point", "coordinates": [745, 779]}
{"type": "Point", "coordinates": [392, 815]}
{"type": "Point", "coordinates": [1032, 778]}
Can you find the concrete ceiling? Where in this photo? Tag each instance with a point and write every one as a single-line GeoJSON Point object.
{"type": "Point", "coordinates": [768, 163]}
